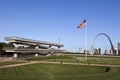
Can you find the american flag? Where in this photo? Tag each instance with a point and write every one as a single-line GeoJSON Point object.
{"type": "Point", "coordinates": [83, 24]}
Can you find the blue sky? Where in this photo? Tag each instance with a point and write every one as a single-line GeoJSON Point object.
{"type": "Point", "coordinates": [47, 20]}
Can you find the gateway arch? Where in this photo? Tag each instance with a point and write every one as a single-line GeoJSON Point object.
{"type": "Point", "coordinates": [111, 44]}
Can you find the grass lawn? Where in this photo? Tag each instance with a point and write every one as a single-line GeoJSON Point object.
{"type": "Point", "coordinates": [59, 72]}
{"type": "Point", "coordinates": [54, 58]}
{"type": "Point", "coordinates": [105, 62]}
{"type": "Point", "coordinates": [10, 63]}
{"type": "Point", "coordinates": [69, 58]}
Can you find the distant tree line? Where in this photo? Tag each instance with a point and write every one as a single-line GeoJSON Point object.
{"type": "Point", "coordinates": [3, 44]}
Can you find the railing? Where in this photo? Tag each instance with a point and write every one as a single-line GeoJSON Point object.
{"type": "Point", "coordinates": [21, 50]}
{"type": "Point", "coordinates": [33, 41]}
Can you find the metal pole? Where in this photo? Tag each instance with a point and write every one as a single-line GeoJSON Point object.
{"type": "Point", "coordinates": [86, 43]}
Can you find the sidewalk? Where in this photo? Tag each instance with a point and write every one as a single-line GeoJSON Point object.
{"type": "Point", "coordinates": [47, 62]}
{"type": "Point", "coordinates": [13, 65]}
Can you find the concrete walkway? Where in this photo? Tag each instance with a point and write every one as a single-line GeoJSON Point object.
{"type": "Point", "coordinates": [21, 64]}
{"type": "Point", "coordinates": [79, 64]}
{"type": "Point", "coordinates": [47, 62]}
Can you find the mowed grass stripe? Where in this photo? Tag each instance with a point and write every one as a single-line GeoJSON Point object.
{"type": "Point", "coordinates": [55, 72]}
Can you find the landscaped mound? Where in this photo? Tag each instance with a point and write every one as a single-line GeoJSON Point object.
{"type": "Point", "coordinates": [59, 72]}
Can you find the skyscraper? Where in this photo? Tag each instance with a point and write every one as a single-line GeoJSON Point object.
{"type": "Point", "coordinates": [80, 50]}
{"type": "Point", "coordinates": [119, 48]}
{"type": "Point", "coordinates": [97, 51]}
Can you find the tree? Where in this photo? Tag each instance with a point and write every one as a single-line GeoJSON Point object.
{"type": "Point", "coordinates": [1, 48]}
{"type": "Point", "coordinates": [3, 45]}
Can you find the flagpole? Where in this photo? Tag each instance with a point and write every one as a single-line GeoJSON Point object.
{"type": "Point", "coordinates": [82, 25]}
{"type": "Point", "coordinates": [86, 43]}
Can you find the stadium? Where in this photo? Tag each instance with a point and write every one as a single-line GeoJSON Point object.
{"type": "Point", "coordinates": [31, 47]}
